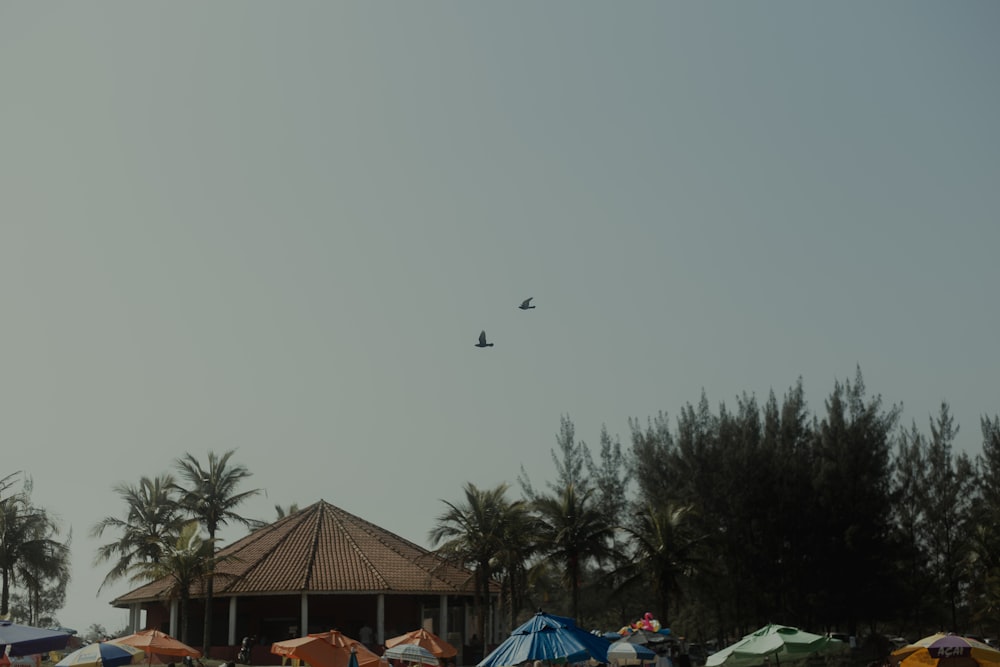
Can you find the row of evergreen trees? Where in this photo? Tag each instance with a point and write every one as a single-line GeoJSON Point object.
{"type": "Point", "coordinates": [843, 521]}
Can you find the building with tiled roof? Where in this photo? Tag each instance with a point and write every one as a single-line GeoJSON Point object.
{"type": "Point", "coordinates": [314, 570]}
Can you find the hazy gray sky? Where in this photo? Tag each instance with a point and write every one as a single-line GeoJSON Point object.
{"type": "Point", "coordinates": [280, 227]}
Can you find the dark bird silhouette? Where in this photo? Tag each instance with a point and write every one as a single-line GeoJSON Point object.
{"type": "Point", "coordinates": [526, 304]}
{"type": "Point", "coordinates": [482, 341]}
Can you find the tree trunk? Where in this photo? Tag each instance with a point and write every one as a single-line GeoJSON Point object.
{"type": "Point", "coordinates": [664, 611]}
{"type": "Point", "coordinates": [484, 601]}
{"type": "Point", "coordinates": [574, 573]}
{"type": "Point", "coordinates": [184, 618]}
{"type": "Point", "coordinates": [5, 594]}
{"type": "Point", "coordinates": [206, 641]}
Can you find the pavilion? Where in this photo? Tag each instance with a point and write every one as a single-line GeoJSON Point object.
{"type": "Point", "coordinates": [314, 570]}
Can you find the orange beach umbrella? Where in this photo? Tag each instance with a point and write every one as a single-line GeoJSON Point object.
{"type": "Point", "coordinates": [157, 643]}
{"type": "Point", "coordinates": [946, 650]}
{"type": "Point", "coordinates": [325, 649]}
{"type": "Point", "coordinates": [428, 640]}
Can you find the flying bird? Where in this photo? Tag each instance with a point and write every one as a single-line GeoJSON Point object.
{"type": "Point", "coordinates": [482, 341]}
{"type": "Point", "coordinates": [526, 304]}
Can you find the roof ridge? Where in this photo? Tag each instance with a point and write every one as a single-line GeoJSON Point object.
{"type": "Point", "coordinates": [260, 535]}
{"type": "Point", "coordinates": [379, 533]}
{"type": "Point", "coordinates": [354, 544]}
{"type": "Point", "coordinates": [317, 516]}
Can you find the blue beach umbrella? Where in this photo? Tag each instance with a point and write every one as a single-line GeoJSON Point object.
{"type": "Point", "coordinates": [550, 639]}
{"type": "Point", "coordinates": [103, 654]}
{"type": "Point", "coordinates": [26, 640]}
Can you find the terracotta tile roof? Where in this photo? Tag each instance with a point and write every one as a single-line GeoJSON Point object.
{"type": "Point", "coordinates": [322, 548]}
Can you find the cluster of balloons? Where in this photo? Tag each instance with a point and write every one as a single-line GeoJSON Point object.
{"type": "Point", "coordinates": [647, 622]}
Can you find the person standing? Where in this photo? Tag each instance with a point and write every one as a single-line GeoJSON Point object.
{"type": "Point", "coordinates": [367, 636]}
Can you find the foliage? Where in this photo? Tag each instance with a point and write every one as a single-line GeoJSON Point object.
{"type": "Point", "coordinates": [31, 557]}
{"type": "Point", "coordinates": [852, 488]}
{"type": "Point", "coordinates": [151, 513]}
{"type": "Point", "coordinates": [664, 553]}
{"type": "Point", "coordinates": [720, 520]}
{"type": "Point", "coordinates": [836, 521]}
{"type": "Point", "coordinates": [40, 602]}
{"type": "Point", "coordinates": [211, 498]}
{"type": "Point", "coordinates": [472, 533]}
{"type": "Point", "coordinates": [95, 633]}
{"type": "Point", "coordinates": [984, 557]}
{"type": "Point", "coordinates": [573, 531]}
{"type": "Point", "coordinates": [185, 559]}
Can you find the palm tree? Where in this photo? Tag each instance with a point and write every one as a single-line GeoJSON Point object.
{"type": "Point", "coordinates": [573, 531]}
{"type": "Point", "coordinates": [517, 545]}
{"type": "Point", "coordinates": [151, 514]}
{"type": "Point", "coordinates": [472, 533]}
{"type": "Point", "coordinates": [186, 559]}
{"type": "Point", "coordinates": [664, 553]}
{"type": "Point", "coordinates": [7, 481]}
{"type": "Point", "coordinates": [212, 499]}
{"type": "Point", "coordinates": [29, 551]}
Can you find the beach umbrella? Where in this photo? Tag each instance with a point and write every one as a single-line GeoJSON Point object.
{"type": "Point", "coordinates": [646, 637]}
{"type": "Point", "coordinates": [310, 650]}
{"type": "Point", "coordinates": [430, 641]}
{"type": "Point", "coordinates": [946, 650]}
{"type": "Point", "coordinates": [327, 649]}
{"type": "Point", "coordinates": [345, 646]}
{"type": "Point", "coordinates": [626, 653]}
{"type": "Point", "coordinates": [411, 653]}
{"type": "Point", "coordinates": [103, 654]}
{"type": "Point", "coordinates": [550, 639]}
{"type": "Point", "coordinates": [779, 643]}
{"type": "Point", "coordinates": [157, 643]}
{"type": "Point", "coordinates": [26, 640]}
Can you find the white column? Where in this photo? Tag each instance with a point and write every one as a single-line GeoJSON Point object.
{"type": "Point", "coordinates": [136, 617]}
{"type": "Point", "coordinates": [304, 623]}
{"type": "Point", "coordinates": [232, 621]}
{"type": "Point", "coordinates": [489, 625]}
{"type": "Point", "coordinates": [443, 618]}
{"type": "Point", "coordinates": [174, 606]}
{"type": "Point", "coordinates": [380, 619]}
